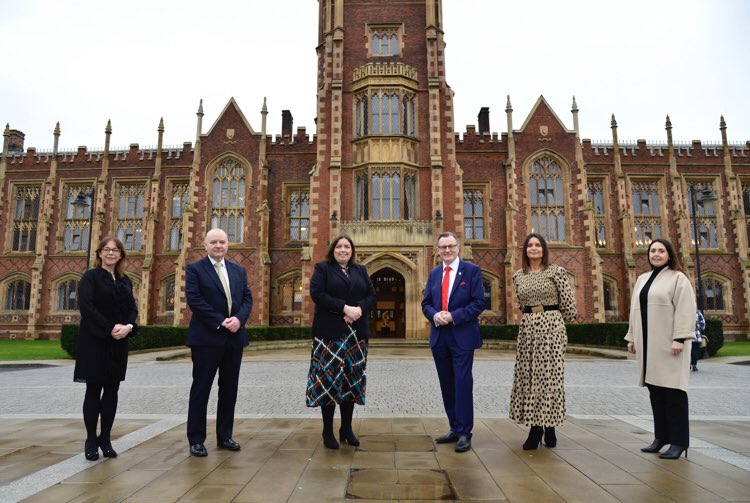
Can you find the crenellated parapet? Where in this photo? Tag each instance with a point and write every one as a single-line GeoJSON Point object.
{"type": "Point", "coordinates": [644, 148]}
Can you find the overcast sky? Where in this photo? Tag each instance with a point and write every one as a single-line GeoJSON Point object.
{"type": "Point", "coordinates": [82, 62]}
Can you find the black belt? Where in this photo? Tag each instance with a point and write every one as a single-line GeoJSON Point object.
{"type": "Point", "coordinates": [541, 309]}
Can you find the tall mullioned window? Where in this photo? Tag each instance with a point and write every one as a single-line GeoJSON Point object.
{"type": "Point", "coordinates": [228, 200]}
{"type": "Point", "coordinates": [474, 214]}
{"type": "Point", "coordinates": [25, 219]}
{"type": "Point", "coordinates": [596, 196]}
{"type": "Point", "coordinates": [18, 295]}
{"type": "Point", "coordinates": [67, 295]}
{"type": "Point", "coordinates": [547, 199]}
{"type": "Point", "coordinates": [299, 215]}
{"type": "Point", "coordinates": [385, 194]}
{"type": "Point", "coordinates": [385, 112]}
{"type": "Point", "coordinates": [77, 218]}
{"type": "Point", "coordinates": [180, 198]}
{"type": "Point", "coordinates": [647, 220]}
{"type": "Point", "coordinates": [705, 213]}
{"type": "Point", "coordinates": [713, 294]}
{"type": "Point", "coordinates": [130, 216]}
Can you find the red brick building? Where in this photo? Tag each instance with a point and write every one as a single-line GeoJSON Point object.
{"type": "Point", "coordinates": [387, 167]}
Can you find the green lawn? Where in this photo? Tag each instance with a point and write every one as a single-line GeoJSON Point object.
{"type": "Point", "coordinates": [20, 349]}
{"type": "Point", "coordinates": [737, 348]}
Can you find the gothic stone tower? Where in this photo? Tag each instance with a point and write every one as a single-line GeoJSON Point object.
{"type": "Point", "coordinates": [386, 171]}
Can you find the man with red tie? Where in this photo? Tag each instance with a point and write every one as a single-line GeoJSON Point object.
{"type": "Point", "coordinates": [453, 300]}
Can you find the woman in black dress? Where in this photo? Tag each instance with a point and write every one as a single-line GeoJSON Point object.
{"type": "Point", "coordinates": [343, 296]}
{"type": "Point", "coordinates": [108, 315]}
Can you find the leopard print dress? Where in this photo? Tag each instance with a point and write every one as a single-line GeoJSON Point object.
{"type": "Point", "coordinates": [538, 396]}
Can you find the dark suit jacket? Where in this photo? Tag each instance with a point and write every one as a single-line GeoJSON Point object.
{"type": "Point", "coordinates": [330, 289]}
{"type": "Point", "coordinates": [103, 302]}
{"type": "Point", "coordinates": [466, 303]}
{"type": "Point", "coordinates": [206, 299]}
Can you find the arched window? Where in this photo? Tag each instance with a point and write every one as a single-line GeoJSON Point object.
{"type": "Point", "coordinates": [129, 222]}
{"type": "Point", "coordinates": [491, 287]}
{"type": "Point", "coordinates": [289, 292]}
{"type": "Point", "coordinates": [25, 219]}
{"type": "Point", "coordinates": [716, 291]}
{"type": "Point", "coordinates": [167, 294]}
{"type": "Point", "coordinates": [385, 194]}
{"type": "Point", "coordinates": [67, 295]}
{"type": "Point", "coordinates": [487, 286]}
{"type": "Point", "coordinates": [180, 198]}
{"type": "Point", "coordinates": [609, 289]}
{"type": "Point", "coordinates": [705, 214]}
{"type": "Point", "coordinates": [228, 200]}
{"type": "Point", "coordinates": [647, 219]}
{"type": "Point", "coordinates": [547, 199]}
{"type": "Point", "coordinates": [18, 295]}
{"type": "Point", "coordinates": [77, 218]}
{"type": "Point", "coordinates": [391, 112]}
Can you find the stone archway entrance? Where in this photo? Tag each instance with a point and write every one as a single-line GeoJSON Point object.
{"type": "Point", "coordinates": [388, 319]}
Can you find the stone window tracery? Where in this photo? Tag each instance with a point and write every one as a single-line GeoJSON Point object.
{"type": "Point", "coordinates": [180, 199]}
{"type": "Point", "coordinates": [597, 198]}
{"type": "Point", "coordinates": [392, 111]}
{"type": "Point", "coordinates": [228, 200]}
{"type": "Point", "coordinates": [76, 225]}
{"type": "Point", "coordinates": [17, 295]}
{"type": "Point", "coordinates": [385, 194]}
{"type": "Point", "coordinates": [646, 216]}
{"type": "Point", "coordinates": [547, 199]}
{"type": "Point", "coordinates": [25, 219]}
{"type": "Point", "coordinates": [474, 208]}
{"type": "Point", "coordinates": [130, 209]}
{"type": "Point", "coordinates": [705, 212]}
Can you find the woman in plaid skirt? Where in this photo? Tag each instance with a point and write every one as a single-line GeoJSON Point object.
{"type": "Point", "coordinates": [343, 296]}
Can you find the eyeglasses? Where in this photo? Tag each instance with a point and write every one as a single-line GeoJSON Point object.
{"type": "Point", "coordinates": [106, 251]}
{"type": "Point", "coordinates": [447, 247]}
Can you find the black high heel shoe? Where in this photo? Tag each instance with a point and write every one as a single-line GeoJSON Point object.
{"type": "Point", "coordinates": [535, 438]}
{"type": "Point", "coordinates": [91, 449]}
{"type": "Point", "coordinates": [347, 436]}
{"type": "Point", "coordinates": [674, 452]}
{"type": "Point", "coordinates": [655, 446]}
{"type": "Point", "coordinates": [550, 439]}
{"type": "Point", "coordinates": [106, 447]}
{"type": "Point", "coordinates": [329, 440]}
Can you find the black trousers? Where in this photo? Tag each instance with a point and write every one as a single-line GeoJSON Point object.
{"type": "Point", "coordinates": [670, 408]}
{"type": "Point", "coordinates": [207, 360]}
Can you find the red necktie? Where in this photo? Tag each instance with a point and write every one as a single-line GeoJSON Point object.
{"type": "Point", "coordinates": [446, 283]}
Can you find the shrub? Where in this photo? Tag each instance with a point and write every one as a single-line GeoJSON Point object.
{"type": "Point", "coordinates": [164, 336]}
{"type": "Point", "coordinates": [715, 334]}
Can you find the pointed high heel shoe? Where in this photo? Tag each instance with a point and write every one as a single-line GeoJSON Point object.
{"type": "Point", "coordinates": [535, 438]}
{"type": "Point", "coordinates": [91, 449]}
{"type": "Point", "coordinates": [106, 446]}
{"type": "Point", "coordinates": [348, 437]}
{"type": "Point", "coordinates": [550, 439]}
{"type": "Point", "coordinates": [674, 452]}
{"type": "Point", "coordinates": [655, 446]}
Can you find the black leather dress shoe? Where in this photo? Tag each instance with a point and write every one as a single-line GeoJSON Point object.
{"type": "Point", "coordinates": [448, 438]}
{"type": "Point", "coordinates": [463, 444]}
{"type": "Point", "coordinates": [228, 444]}
{"type": "Point", "coordinates": [198, 450]}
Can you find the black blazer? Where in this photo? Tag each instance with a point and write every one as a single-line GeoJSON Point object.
{"type": "Point", "coordinates": [331, 289]}
{"type": "Point", "coordinates": [103, 302]}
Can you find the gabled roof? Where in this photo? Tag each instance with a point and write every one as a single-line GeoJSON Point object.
{"type": "Point", "coordinates": [541, 102]}
{"type": "Point", "coordinates": [230, 103]}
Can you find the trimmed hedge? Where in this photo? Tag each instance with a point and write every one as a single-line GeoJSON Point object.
{"type": "Point", "coordinates": [601, 334]}
{"type": "Point", "coordinates": [164, 336]}
{"type": "Point", "coordinates": [588, 334]}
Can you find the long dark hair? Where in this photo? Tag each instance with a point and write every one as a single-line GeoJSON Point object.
{"type": "Point", "coordinates": [673, 262]}
{"type": "Point", "coordinates": [119, 267]}
{"type": "Point", "coordinates": [525, 262]}
{"type": "Point", "coordinates": [329, 255]}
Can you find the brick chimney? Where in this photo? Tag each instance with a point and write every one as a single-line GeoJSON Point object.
{"type": "Point", "coordinates": [484, 120]}
{"type": "Point", "coordinates": [286, 123]}
{"type": "Point", "coordinates": [15, 140]}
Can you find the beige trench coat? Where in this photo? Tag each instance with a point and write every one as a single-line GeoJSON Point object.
{"type": "Point", "coordinates": [671, 315]}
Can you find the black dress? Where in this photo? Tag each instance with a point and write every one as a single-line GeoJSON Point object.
{"type": "Point", "coordinates": [103, 302]}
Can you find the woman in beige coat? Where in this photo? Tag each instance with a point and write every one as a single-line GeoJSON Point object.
{"type": "Point", "coordinates": [662, 318]}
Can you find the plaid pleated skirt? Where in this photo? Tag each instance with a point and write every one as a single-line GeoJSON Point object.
{"type": "Point", "coordinates": [337, 371]}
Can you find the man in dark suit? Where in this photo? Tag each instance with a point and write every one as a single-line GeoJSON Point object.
{"type": "Point", "coordinates": [453, 300]}
{"type": "Point", "coordinates": [219, 297]}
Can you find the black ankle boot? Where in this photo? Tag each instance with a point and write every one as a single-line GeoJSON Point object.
{"type": "Point", "coordinates": [91, 449]}
{"type": "Point", "coordinates": [655, 446]}
{"type": "Point", "coordinates": [674, 452]}
{"type": "Point", "coordinates": [106, 446]}
{"type": "Point", "coordinates": [329, 440]}
{"type": "Point", "coordinates": [534, 439]}
{"type": "Point", "coordinates": [346, 434]}
{"type": "Point", "coordinates": [550, 439]}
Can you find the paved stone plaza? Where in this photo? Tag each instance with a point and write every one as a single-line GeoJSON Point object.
{"type": "Point", "coordinates": [609, 419]}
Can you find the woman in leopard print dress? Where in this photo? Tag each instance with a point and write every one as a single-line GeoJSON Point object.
{"type": "Point", "coordinates": [547, 301]}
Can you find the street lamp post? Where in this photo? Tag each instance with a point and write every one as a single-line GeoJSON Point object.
{"type": "Point", "coordinates": [82, 203]}
{"type": "Point", "coordinates": [705, 196]}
